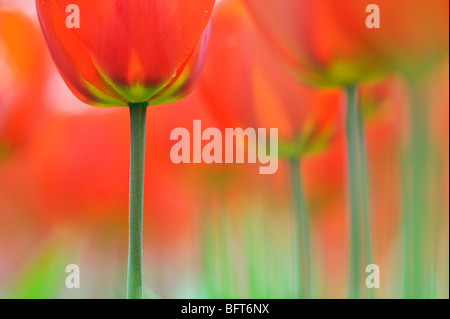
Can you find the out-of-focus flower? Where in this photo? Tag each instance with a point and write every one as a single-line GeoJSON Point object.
{"type": "Point", "coordinates": [439, 107]}
{"type": "Point", "coordinates": [245, 86]}
{"type": "Point", "coordinates": [23, 74]}
{"type": "Point", "coordinates": [413, 34]}
{"type": "Point", "coordinates": [67, 187]}
{"type": "Point", "coordinates": [311, 39]}
{"type": "Point", "coordinates": [128, 51]}
{"type": "Point", "coordinates": [385, 106]}
{"type": "Point", "coordinates": [23, 77]}
{"type": "Point", "coordinates": [374, 97]}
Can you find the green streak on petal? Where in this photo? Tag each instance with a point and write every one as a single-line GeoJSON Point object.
{"type": "Point", "coordinates": [138, 93]}
{"type": "Point", "coordinates": [106, 100]}
{"type": "Point", "coordinates": [344, 72]}
{"type": "Point", "coordinates": [173, 91]}
{"type": "Point", "coordinates": [135, 93]}
{"type": "Point", "coordinates": [307, 142]}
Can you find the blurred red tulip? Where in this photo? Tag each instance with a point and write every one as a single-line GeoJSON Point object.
{"type": "Point", "coordinates": [245, 86]}
{"type": "Point", "coordinates": [411, 41]}
{"type": "Point", "coordinates": [374, 97]}
{"type": "Point", "coordinates": [385, 104]}
{"type": "Point", "coordinates": [23, 74]}
{"type": "Point", "coordinates": [128, 51]}
{"type": "Point", "coordinates": [311, 39]}
{"type": "Point", "coordinates": [69, 186]}
{"type": "Point", "coordinates": [439, 109]}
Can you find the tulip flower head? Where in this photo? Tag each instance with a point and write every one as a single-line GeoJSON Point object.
{"type": "Point", "coordinates": [121, 52]}
{"type": "Point", "coordinates": [328, 42]}
{"type": "Point", "coordinates": [128, 53]}
{"type": "Point", "coordinates": [313, 41]}
{"type": "Point", "coordinates": [410, 42]}
{"type": "Point", "coordinates": [254, 90]}
{"type": "Point", "coordinates": [23, 75]}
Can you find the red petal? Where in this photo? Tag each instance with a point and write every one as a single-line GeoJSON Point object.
{"type": "Point", "coordinates": [130, 42]}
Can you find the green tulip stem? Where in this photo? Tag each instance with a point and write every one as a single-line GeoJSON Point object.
{"type": "Point", "coordinates": [136, 201]}
{"type": "Point", "coordinates": [354, 182]}
{"type": "Point", "coordinates": [420, 211]}
{"type": "Point", "coordinates": [302, 247]}
{"type": "Point", "coordinates": [365, 190]}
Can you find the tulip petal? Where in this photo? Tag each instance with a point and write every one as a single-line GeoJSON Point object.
{"type": "Point", "coordinates": [128, 50]}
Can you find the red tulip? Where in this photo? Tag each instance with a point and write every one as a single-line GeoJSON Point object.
{"type": "Point", "coordinates": [328, 43]}
{"type": "Point", "coordinates": [128, 51]}
{"type": "Point", "coordinates": [311, 39]}
{"type": "Point", "coordinates": [254, 90]}
{"type": "Point", "coordinates": [23, 74]}
{"type": "Point", "coordinates": [413, 34]}
{"type": "Point", "coordinates": [374, 97]}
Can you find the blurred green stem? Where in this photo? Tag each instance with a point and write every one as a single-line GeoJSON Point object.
{"type": "Point", "coordinates": [419, 197]}
{"type": "Point", "coordinates": [365, 190]}
{"type": "Point", "coordinates": [406, 218]}
{"type": "Point", "coordinates": [138, 113]}
{"type": "Point", "coordinates": [302, 231]}
{"type": "Point", "coordinates": [354, 184]}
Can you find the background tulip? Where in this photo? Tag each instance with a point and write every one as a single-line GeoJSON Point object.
{"type": "Point", "coordinates": [23, 63]}
{"type": "Point", "coordinates": [310, 38]}
{"type": "Point", "coordinates": [318, 49]}
{"type": "Point", "coordinates": [266, 96]}
{"type": "Point", "coordinates": [411, 42]}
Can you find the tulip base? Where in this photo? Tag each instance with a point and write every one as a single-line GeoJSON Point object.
{"type": "Point", "coordinates": [138, 113]}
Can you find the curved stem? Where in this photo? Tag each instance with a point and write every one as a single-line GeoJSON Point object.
{"type": "Point", "coordinates": [136, 201]}
{"type": "Point", "coordinates": [355, 209]}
